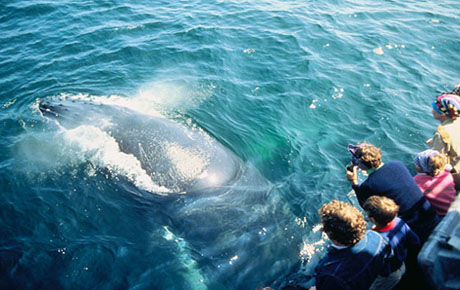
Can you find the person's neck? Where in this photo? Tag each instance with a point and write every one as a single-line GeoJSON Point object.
{"type": "Point", "coordinates": [338, 245]}
{"type": "Point", "coordinates": [370, 171]}
{"type": "Point", "coordinates": [444, 119]}
{"type": "Point", "coordinates": [386, 227]}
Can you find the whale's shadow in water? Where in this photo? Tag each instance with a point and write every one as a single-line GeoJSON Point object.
{"type": "Point", "coordinates": [223, 209]}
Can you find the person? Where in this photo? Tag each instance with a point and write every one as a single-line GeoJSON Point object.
{"type": "Point", "coordinates": [382, 212]}
{"type": "Point", "coordinates": [435, 181]}
{"type": "Point", "coordinates": [356, 256]}
{"type": "Point", "coordinates": [446, 140]}
{"type": "Point", "coordinates": [393, 180]}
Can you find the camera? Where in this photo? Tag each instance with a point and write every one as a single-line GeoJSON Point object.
{"type": "Point", "coordinates": [350, 166]}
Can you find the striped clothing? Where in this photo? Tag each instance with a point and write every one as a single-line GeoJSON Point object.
{"type": "Point", "coordinates": [400, 238]}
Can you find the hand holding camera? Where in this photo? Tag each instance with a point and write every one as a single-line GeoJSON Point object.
{"type": "Point", "coordinates": [352, 173]}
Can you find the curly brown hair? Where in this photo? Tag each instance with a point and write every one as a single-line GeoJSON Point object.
{"type": "Point", "coordinates": [342, 222]}
{"type": "Point", "coordinates": [381, 208]}
{"type": "Point", "coordinates": [370, 155]}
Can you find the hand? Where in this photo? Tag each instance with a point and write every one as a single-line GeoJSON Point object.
{"type": "Point", "coordinates": [429, 142]}
{"type": "Point", "coordinates": [352, 175]}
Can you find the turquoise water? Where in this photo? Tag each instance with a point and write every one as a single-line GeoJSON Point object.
{"type": "Point", "coordinates": [285, 85]}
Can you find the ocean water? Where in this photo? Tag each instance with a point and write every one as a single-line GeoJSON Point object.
{"type": "Point", "coordinates": [285, 85]}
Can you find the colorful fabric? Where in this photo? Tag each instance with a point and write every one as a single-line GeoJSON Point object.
{"type": "Point", "coordinates": [447, 104]}
{"type": "Point", "coordinates": [422, 160]}
{"type": "Point", "coordinates": [439, 190]}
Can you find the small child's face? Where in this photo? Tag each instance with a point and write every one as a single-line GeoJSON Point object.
{"type": "Point", "coordinates": [418, 168]}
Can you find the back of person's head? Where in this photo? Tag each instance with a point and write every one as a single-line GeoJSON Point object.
{"type": "Point", "coordinates": [369, 155]}
{"type": "Point", "coordinates": [448, 104]}
{"type": "Point", "coordinates": [437, 164]}
{"type": "Point", "coordinates": [381, 208]}
{"type": "Point", "coordinates": [342, 222]}
{"type": "Point", "coordinates": [430, 162]}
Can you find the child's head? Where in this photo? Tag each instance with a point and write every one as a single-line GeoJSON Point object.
{"type": "Point", "coordinates": [381, 209]}
{"type": "Point", "coordinates": [430, 162]}
{"type": "Point", "coordinates": [342, 222]}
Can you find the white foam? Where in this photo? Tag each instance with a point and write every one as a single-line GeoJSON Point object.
{"type": "Point", "coordinates": [102, 150]}
{"type": "Point", "coordinates": [190, 163]}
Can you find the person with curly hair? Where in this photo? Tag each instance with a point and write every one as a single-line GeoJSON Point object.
{"type": "Point", "coordinates": [393, 180]}
{"type": "Point", "coordinates": [446, 140]}
{"type": "Point", "coordinates": [356, 256]}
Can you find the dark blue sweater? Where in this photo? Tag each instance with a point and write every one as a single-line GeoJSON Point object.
{"type": "Point", "coordinates": [355, 267]}
{"type": "Point", "coordinates": [394, 181]}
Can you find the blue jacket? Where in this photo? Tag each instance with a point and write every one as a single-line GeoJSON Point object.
{"type": "Point", "coordinates": [354, 267]}
{"type": "Point", "coordinates": [394, 180]}
{"type": "Point", "coordinates": [401, 238]}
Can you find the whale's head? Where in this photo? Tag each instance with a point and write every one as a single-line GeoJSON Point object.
{"type": "Point", "coordinates": [174, 156]}
{"type": "Point", "coordinates": [70, 114]}
{"type": "Point", "coordinates": [51, 111]}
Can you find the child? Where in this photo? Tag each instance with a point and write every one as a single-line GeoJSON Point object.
{"type": "Point", "coordinates": [436, 182]}
{"type": "Point", "coordinates": [382, 212]}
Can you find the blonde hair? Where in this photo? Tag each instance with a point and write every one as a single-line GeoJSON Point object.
{"type": "Point", "coordinates": [370, 155]}
{"type": "Point", "coordinates": [342, 222]}
{"type": "Point", "coordinates": [381, 208]}
{"type": "Point", "coordinates": [437, 164]}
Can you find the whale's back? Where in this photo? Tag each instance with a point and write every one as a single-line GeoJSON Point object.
{"type": "Point", "coordinates": [179, 158]}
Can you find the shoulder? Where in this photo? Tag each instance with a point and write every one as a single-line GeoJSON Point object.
{"type": "Point", "coordinates": [373, 236]}
{"type": "Point", "coordinates": [402, 225]}
{"type": "Point", "coordinates": [443, 179]}
{"type": "Point", "coordinates": [394, 163]}
{"type": "Point", "coordinates": [422, 177]}
{"type": "Point", "coordinates": [443, 133]}
{"type": "Point", "coordinates": [373, 239]}
{"type": "Point", "coordinates": [399, 221]}
{"type": "Point", "coordinates": [393, 166]}
{"type": "Point", "coordinates": [445, 175]}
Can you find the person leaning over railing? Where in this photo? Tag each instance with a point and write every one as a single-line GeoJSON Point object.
{"type": "Point", "coordinates": [393, 180]}
{"type": "Point", "coordinates": [356, 256]}
{"type": "Point", "coordinates": [446, 139]}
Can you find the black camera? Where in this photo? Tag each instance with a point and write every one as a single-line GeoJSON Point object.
{"type": "Point", "coordinates": [350, 166]}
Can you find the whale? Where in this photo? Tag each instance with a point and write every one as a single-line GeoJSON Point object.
{"type": "Point", "coordinates": [220, 211]}
{"type": "Point", "coordinates": [176, 157]}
